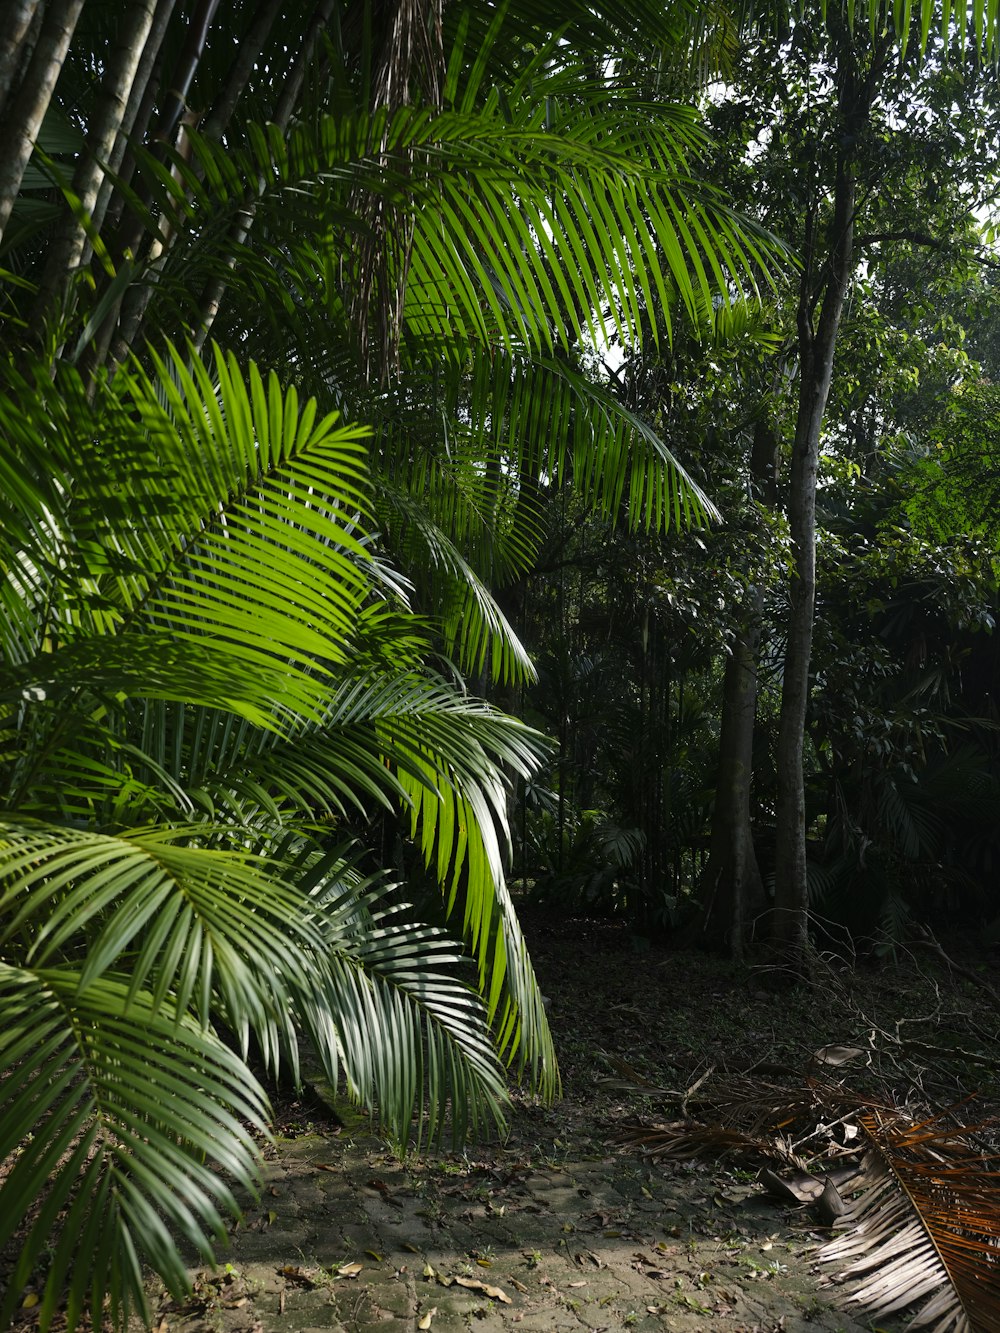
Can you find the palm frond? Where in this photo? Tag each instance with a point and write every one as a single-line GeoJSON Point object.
{"type": "Point", "coordinates": [544, 416]}
{"type": "Point", "coordinates": [218, 514]}
{"type": "Point", "coordinates": [409, 1033]}
{"type": "Point", "coordinates": [925, 1227]}
{"type": "Point", "coordinates": [136, 1116]}
{"type": "Point", "coordinates": [190, 921]}
{"type": "Point", "coordinates": [532, 221]}
{"type": "Point", "coordinates": [471, 621]}
{"type": "Point", "coordinates": [414, 738]}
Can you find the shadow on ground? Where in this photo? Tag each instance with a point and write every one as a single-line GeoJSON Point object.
{"type": "Point", "coordinates": [348, 1238]}
{"type": "Point", "coordinates": [556, 1229]}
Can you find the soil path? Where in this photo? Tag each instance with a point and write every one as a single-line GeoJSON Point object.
{"type": "Point", "coordinates": [348, 1239]}
{"type": "Point", "coordinates": [554, 1229]}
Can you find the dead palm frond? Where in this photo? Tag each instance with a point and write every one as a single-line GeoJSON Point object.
{"type": "Point", "coordinates": [925, 1226]}
{"type": "Point", "coordinates": [922, 1230]}
{"type": "Point", "coordinates": [685, 1140]}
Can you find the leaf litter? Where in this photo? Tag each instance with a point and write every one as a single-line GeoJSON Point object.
{"type": "Point", "coordinates": [577, 1223]}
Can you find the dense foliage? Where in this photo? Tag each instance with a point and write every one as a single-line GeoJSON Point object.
{"type": "Point", "coordinates": [349, 354]}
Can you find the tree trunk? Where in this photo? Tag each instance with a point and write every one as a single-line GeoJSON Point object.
{"type": "Point", "coordinates": [211, 299]}
{"type": "Point", "coordinates": [110, 205]}
{"type": "Point", "coordinates": [137, 110]}
{"type": "Point", "coordinates": [826, 277]}
{"type": "Point", "coordinates": [247, 55]}
{"type": "Point", "coordinates": [23, 115]}
{"type": "Point", "coordinates": [67, 249]}
{"type": "Point", "coordinates": [15, 39]}
{"type": "Point", "coordinates": [732, 889]}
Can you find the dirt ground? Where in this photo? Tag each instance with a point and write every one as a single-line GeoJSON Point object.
{"type": "Point", "coordinates": [560, 1227]}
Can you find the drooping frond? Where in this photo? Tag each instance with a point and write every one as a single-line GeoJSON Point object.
{"type": "Point", "coordinates": [215, 525]}
{"type": "Point", "coordinates": [532, 221]}
{"type": "Point", "coordinates": [924, 1231]}
{"type": "Point", "coordinates": [193, 921]}
{"type": "Point", "coordinates": [471, 621]}
{"type": "Point", "coordinates": [410, 1034]}
{"type": "Point", "coordinates": [136, 1115]}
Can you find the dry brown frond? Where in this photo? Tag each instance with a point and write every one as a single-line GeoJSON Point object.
{"type": "Point", "coordinates": [685, 1140]}
{"type": "Point", "coordinates": [925, 1227]}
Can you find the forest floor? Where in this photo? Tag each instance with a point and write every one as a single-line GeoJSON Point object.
{"type": "Point", "coordinates": [562, 1226]}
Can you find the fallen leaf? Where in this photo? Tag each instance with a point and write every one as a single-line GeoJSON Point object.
{"type": "Point", "coordinates": [425, 1320]}
{"type": "Point", "coordinates": [373, 1255]}
{"type": "Point", "coordinates": [325, 1166]}
{"type": "Point", "coordinates": [272, 1217]}
{"type": "Point", "coordinates": [429, 1271]}
{"type": "Point", "coordinates": [295, 1274]}
{"type": "Point", "coordinates": [30, 1301]}
{"type": "Point", "coordinates": [830, 1205]}
{"type": "Point", "coordinates": [472, 1284]}
{"type": "Point", "coordinates": [518, 1286]}
{"type": "Point", "coordinates": [793, 1187]}
{"type": "Point", "coordinates": [576, 1284]}
{"type": "Point", "coordinates": [836, 1055]}
{"type": "Point", "coordinates": [350, 1270]}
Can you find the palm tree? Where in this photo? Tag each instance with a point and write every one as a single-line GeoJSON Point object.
{"type": "Point", "coordinates": [213, 671]}
{"type": "Point", "coordinates": [206, 671]}
{"type": "Point", "coordinates": [214, 674]}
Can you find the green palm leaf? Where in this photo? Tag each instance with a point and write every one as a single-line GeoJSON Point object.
{"type": "Point", "coordinates": [134, 1112]}
{"type": "Point", "coordinates": [390, 739]}
{"type": "Point", "coordinates": [192, 921]}
{"type": "Point", "coordinates": [413, 1038]}
{"type": "Point", "coordinates": [531, 219]}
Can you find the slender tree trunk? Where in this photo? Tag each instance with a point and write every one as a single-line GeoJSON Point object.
{"type": "Point", "coordinates": [128, 313]}
{"type": "Point", "coordinates": [15, 41]}
{"type": "Point", "coordinates": [137, 110]}
{"type": "Point", "coordinates": [23, 115]}
{"type": "Point", "coordinates": [110, 205]}
{"type": "Point", "coordinates": [211, 299]}
{"type": "Point", "coordinates": [732, 888]}
{"type": "Point", "coordinates": [247, 55]}
{"type": "Point", "coordinates": [826, 276]}
{"type": "Point", "coordinates": [67, 248]}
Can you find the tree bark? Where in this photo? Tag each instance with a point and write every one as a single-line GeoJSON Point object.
{"type": "Point", "coordinates": [137, 110]}
{"type": "Point", "coordinates": [824, 285]}
{"type": "Point", "coordinates": [15, 40]}
{"type": "Point", "coordinates": [128, 313]}
{"type": "Point", "coordinates": [732, 890]}
{"type": "Point", "coordinates": [732, 886]}
{"type": "Point", "coordinates": [67, 248]}
{"type": "Point", "coordinates": [211, 298]}
{"type": "Point", "coordinates": [247, 55]}
{"type": "Point", "coordinates": [23, 115]}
